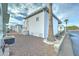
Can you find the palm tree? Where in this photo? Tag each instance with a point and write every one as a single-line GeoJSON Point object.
{"type": "Point", "coordinates": [50, 30]}
{"type": "Point", "coordinates": [66, 21]}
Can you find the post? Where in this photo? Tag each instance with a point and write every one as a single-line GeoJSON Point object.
{"type": "Point", "coordinates": [5, 16]}
{"type": "Point", "coordinates": [50, 30]}
{"type": "Point", "coordinates": [59, 30]}
{"type": "Point", "coordinates": [66, 21]}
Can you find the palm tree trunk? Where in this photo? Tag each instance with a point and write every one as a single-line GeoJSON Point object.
{"type": "Point", "coordinates": [50, 30]}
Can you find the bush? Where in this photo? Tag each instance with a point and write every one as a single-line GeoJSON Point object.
{"type": "Point", "coordinates": [72, 27]}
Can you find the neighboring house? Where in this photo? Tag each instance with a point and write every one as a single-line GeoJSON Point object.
{"type": "Point", "coordinates": [36, 23]}
{"type": "Point", "coordinates": [15, 23]}
{"type": "Point", "coordinates": [18, 28]}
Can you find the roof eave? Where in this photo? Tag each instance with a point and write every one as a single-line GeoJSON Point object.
{"type": "Point", "coordinates": [36, 12]}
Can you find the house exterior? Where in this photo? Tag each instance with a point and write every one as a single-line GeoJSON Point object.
{"type": "Point", "coordinates": [36, 23]}
{"type": "Point", "coordinates": [15, 28]}
{"type": "Point", "coordinates": [18, 28]}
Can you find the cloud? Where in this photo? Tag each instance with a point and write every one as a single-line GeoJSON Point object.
{"type": "Point", "coordinates": [15, 21]}
{"type": "Point", "coordinates": [66, 10]}
{"type": "Point", "coordinates": [63, 11]}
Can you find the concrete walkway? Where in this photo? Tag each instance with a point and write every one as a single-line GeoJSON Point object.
{"type": "Point", "coordinates": [66, 47]}
{"type": "Point", "coordinates": [30, 46]}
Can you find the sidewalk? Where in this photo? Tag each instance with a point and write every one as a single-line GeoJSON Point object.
{"type": "Point", "coordinates": [66, 47]}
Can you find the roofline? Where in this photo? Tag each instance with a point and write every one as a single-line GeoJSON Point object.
{"type": "Point", "coordinates": [40, 10]}
{"type": "Point", "coordinates": [36, 12]}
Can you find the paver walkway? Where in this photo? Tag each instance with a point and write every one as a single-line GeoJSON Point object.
{"type": "Point", "coordinates": [30, 46]}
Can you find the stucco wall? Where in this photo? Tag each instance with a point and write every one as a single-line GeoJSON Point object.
{"type": "Point", "coordinates": [46, 22]}
{"type": "Point", "coordinates": [36, 28]}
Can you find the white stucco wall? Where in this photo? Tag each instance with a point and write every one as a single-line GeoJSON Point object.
{"type": "Point", "coordinates": [46, 22]}
{"type": "Point", "coordinates": [36, 28]}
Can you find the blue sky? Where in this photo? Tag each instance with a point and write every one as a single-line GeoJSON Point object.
{"type": "Point", "coordinates": [18, 11]}
{"type": "Point", "coordinates": [61, 10]}
{"type": "Point", "coordinates": [69, 11]}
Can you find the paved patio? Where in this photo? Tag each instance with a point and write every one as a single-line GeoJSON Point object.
{"type": "Point", "coordinates": [30, 46]}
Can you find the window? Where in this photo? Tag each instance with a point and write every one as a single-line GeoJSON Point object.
{"type": "Point", "coordinates": [37, 19]}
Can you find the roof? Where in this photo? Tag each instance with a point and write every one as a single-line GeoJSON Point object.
{"type": "Point", "coordinates": [36, 12]}
{"type": "Point", "coordinates": [43, 9]}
